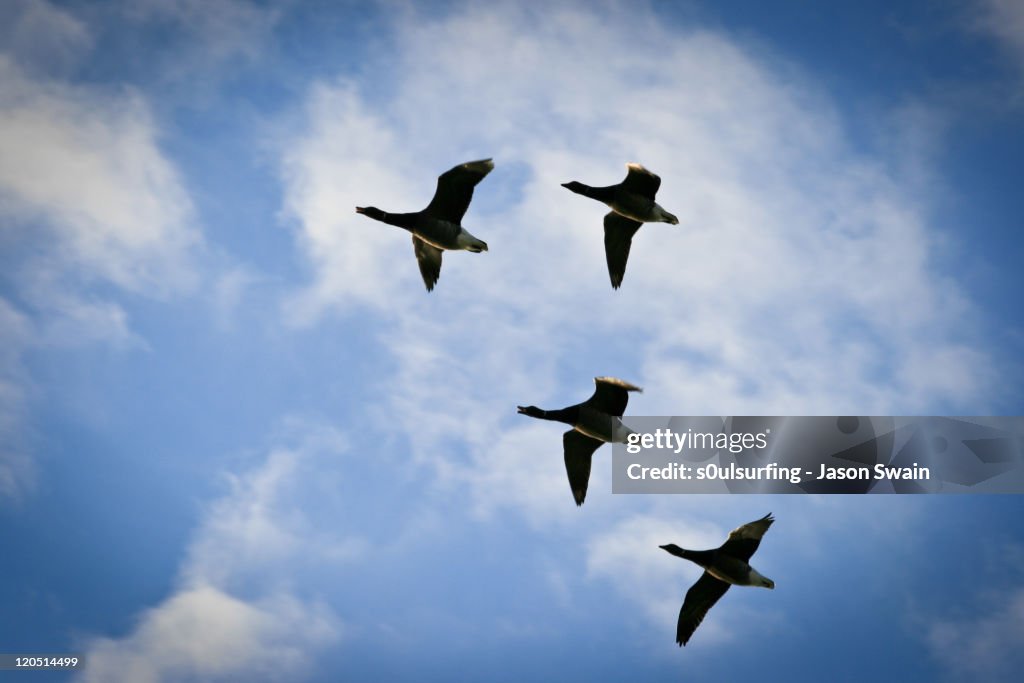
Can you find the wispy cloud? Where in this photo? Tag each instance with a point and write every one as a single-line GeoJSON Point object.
{"type": "Point", "coordinates": [203, 633]}
{"type": "Point", "coordinates": [801, 279]}
{"type": "Point", "coordinates": [91, 209]}
{"type": "Point", "coordinates": [1004, 21]}
{"type": "Point", "coordinates": [627, 556]}
{"type": "Point", "coordinates": [234, 614]}
{"type": "Point", "coordinates": [986, 646]}
{"type": "Point", "coordinates": [42, 37]}
{"type": "Point", "coordinates": [230, 292]}
{"type": "Point", "coordinates": [16, 471]}
{"type": "Point", "coordinates": [345, 154]}
{"type": "Point", "coordinates": [207, 35]}
{"type": "Point", "coordinates": [82, 178]}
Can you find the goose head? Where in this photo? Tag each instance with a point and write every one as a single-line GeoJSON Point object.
{"type": "Point", "coordinates": [674, 549]}
{"type": "Point", "coordinates": [532, 411]}
{"type": "Point", "coordinates": [371, 211]}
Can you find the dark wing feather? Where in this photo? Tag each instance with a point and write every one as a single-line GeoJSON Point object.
{"type": "Point", "coordinates": [699, 599]}
{"type": "Point", "coordinates": [744, 540]}
{"type": "Point", "coordinates": [579, 450]}
{"type": "Point", "coordinates": [611, 395]}
{"type": "Point", "coordinates": [618, 237]}
{"type": "Point", "coordinates": [429, 258]}
{"type": "Point", "coordinates": [641, 181]}
{"type": "Point", "coordinates": [455, 190]}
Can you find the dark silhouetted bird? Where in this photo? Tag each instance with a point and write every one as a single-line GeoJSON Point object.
{"type": "Point", "coordinates": [632, 204]}
{"type": "Point", "coordinates": [723, 566]}
{"type": "Point", "coordinates": [439, 226]}
{"type": "Point", "coordinates": [595, 421]}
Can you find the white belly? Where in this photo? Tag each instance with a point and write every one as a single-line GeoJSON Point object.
{"type": "Point", "coordinates": [605, 429]}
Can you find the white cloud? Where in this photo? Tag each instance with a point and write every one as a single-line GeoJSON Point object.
{"type": "Point", "coordinates": [82, 179]}
{"type": "Point", "coordinates": [801, 279]}
{"type": "Point", "coordinates": [203, 633]}
{"type": "Point", "coordinates": [345, 159]}
{"type": "Point", "coordinates": [235, 613]}
{"type": "Point", "coordinates": [90, 209]}
{"type": "Point", "coordinates": [255, 526]}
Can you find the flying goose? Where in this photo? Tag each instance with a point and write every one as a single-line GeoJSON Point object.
{"type": "Point", "coordinates": [632, 204]}
{"type": "Point", "coordinates": [723, 566]}
{"type": "Point", "coordinates": [595, 421]}
{"type": "Point", "coordinates": [438, 226]}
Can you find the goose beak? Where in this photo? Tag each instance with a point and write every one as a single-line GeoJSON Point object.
{"type": "Point", "coordinates": [360, 209]}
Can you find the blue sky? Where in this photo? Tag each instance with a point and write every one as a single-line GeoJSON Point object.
{"type": "Point", "coordinates": [239, 441]}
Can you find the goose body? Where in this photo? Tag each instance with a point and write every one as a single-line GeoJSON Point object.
{"type": "Point", "coordinates": [439, 226]}
{"type": "Point", "coordinates": [632, 204]}
{"type": "Point", "coordinates": [727, 565]}
{"type": "Point", "coordinates": [594, 422]}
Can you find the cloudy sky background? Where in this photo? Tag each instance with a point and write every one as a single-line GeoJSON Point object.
{"type": "Point", "coordinates": [239, 440]}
